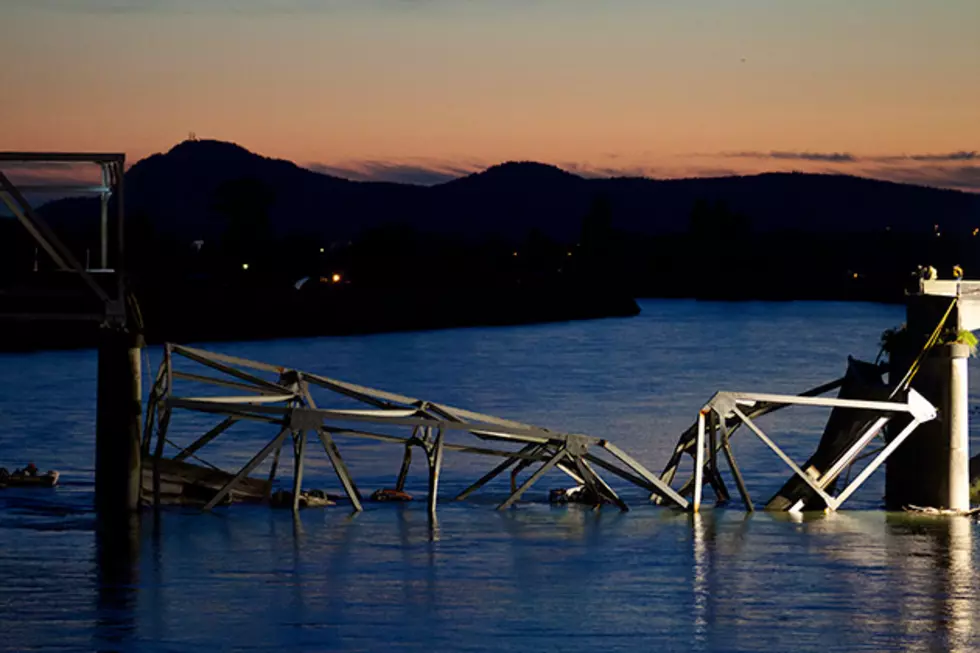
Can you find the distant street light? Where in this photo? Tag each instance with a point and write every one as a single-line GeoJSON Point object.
{"type": "Point", "coordinates": [244, 266]}
{"type": "Point", "coordinates": [335, 278]}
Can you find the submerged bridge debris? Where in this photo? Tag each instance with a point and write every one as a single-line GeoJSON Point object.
{"type": "Point", "coordinates": [281, 397]}
{"type": "Point", "coordinates": [851, 431]}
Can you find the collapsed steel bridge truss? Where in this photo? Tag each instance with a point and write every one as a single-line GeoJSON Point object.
{"type": "Point", "coordinates": [726, 411]}
{"type": "Point", "coordinates": [281, 397]}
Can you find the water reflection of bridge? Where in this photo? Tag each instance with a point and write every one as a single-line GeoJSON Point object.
{"type": "Point", "coordinates": [910, 581]}
{"type": "Point", "coordinates": [846, 581]}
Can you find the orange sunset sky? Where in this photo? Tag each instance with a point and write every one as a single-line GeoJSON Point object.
{"type": "Point", "coordinates": [422, 90]}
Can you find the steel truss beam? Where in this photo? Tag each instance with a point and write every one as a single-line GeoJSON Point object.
{"type": "Point", "coordinates": [284, 400]}
{"type": "Point", "coordinates": [712, 432]}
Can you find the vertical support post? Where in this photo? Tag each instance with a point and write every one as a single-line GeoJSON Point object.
{"type": "Point", "coordinates": [699, 465]}
{"type": "Point", "coordinates": [587, 480]}
{"type": "Point", "coordinates": [435, 466]}
{"type": "Point", "coordinates": [272, 473]}
{"type": "Point", "coordinates": [104, 219]}
{"type": "Point", "coordinates": [299, 453]}
{"type": "Point", "coordinates": [958, 429]}
{"type": "Point", "coordinates": [403, 472]}
{"type": "Point", "coordinates": [117, 175]}
{"type": "Point", "coordinates": [164, 422]}
{"type": "Point", "coordinates": [340, 467]}
{"type": "Point", "coordinates": [118, 420]}
{"type": "Point", "coordinates": [713, 441]}
{"type": "Point", "coordinates": [736, 473]}
{"type": "Point", "coordinates": [714, 474]}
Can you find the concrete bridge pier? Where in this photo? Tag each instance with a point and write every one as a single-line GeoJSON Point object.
{"type": "Point", "coordinates": [118, 425]}
{"type": "Point", "coordinates": [958, 429]}
{"type": "Point", "coordinates": [932, 468]}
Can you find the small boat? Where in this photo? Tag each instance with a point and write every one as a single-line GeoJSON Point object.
{"type": "Point", "coordinates": [25, 478]}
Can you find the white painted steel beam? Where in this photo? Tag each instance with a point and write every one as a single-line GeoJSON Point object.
{"type": "Point", "coordinates": [728, 404]}
{"type": "Point", "coordinates": [835, 503]}
{"type": "Point", "coordinates": [751, 398]}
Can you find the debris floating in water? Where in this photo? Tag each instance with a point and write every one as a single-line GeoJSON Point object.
{"type": "Point", "coordinates": [388, 494]}
{"type": "Point", "coordinates": [926, 510]}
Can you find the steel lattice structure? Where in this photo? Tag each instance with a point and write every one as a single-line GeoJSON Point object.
{"type": "Point", "coordinates": [281, 397]}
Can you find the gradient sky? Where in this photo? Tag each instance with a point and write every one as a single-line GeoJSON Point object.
{"type": "Point", "coordinates": [423, 89]}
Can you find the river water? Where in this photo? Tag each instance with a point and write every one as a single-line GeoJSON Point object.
{"type": "Point", "coordinates": [535, 578]}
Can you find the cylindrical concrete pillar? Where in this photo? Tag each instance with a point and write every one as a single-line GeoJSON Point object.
{"type": "Point", "coordinates": [118, 421]}
{"type": "Point", "coordinates": [957, 429]}
{"type": "Point", "coordinates": [932, 467]}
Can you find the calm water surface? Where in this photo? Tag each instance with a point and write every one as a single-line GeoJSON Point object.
{"type": "Point", "coordinates": [536, 578]}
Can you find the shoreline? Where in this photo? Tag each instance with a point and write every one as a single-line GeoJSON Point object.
{"type": "Point", "coordinates": [52, 336]}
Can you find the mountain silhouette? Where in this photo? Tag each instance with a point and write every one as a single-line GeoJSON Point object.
{"type": "Point", "coordinates": [220, 241]}
{"type": "Point", "coordinates": [176, 191]}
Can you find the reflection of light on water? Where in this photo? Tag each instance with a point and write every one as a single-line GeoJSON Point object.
{"type": "Point", "coordinates": [960, 591]}
{"type": "Point", "coordinates": [433, 528]}
{"type": "Point", "coordinates": [922, 566]}
{"type": "Point", "coordinates": [700, 579]}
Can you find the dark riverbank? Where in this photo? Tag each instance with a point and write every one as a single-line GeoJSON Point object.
{"type": "Point", "coordinates": [201, 314]}
{"type": "Point", "coordinates": [236, 315]}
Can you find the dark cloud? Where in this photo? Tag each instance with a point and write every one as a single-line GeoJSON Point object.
{"type": "Point", "coordinates": [421, 174]}
{"type": "Point", "coordinates": [831, 157]}
{"type": "Point", "coordinates": [658, 173]}
{"type": "Point", "coordinates": [962, 155]}
{"type": "Point", "coordinates": [715, 172]}
{"type": "Point", "coordinates": [921, 171]}
{"type": "Point", "coordinates": [925, 169]}
{"type": "Point", "coordinates": [599, 171]}
{"type": "Point", "coordinates": [963, 177]}
{"type": "Point", "coordinates": [847, 157]}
